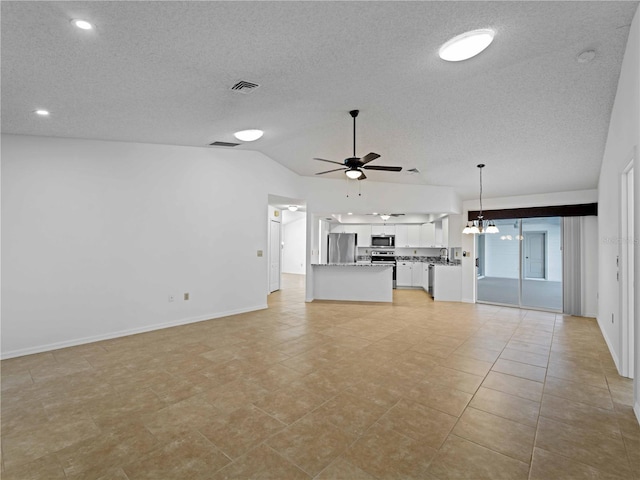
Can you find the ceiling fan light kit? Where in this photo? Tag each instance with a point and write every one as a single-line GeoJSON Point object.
{"type": "Point", "coordinates": [353, 166]}
{"type": "Point", "coordinates": [480, 225]}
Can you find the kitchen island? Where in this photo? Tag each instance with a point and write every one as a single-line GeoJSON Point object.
{"type": "Point", "coordinates": [447, 283]}
{"type": "Point", "coordinates": [359, 282]}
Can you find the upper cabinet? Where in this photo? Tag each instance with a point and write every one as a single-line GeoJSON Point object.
{"type": "Point", "coordinates": [439, 237]}
{"type": "Point", "coordinates": [428, 235]}
{"type": "Point", "coordinates": [443, 233]}
{"type": "Point", "coordinates": [364, 234]}
{"type": "Point", "coordinates": [455, 231]}
{"type": "Point", "coordinates": [408, 236]}
{"type": "Point", "coordinates": [383, 229]}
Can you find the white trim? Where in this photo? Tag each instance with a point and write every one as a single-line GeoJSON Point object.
{"type": "Point", "coordinates": [123, 333]}
{"type": "Point", "coordinates": [636, 410]}
{"type": "Point", "coordinates": [612, 351]}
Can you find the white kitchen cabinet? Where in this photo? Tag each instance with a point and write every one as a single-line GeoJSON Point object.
{"type": "Point", "coordinates": [425, 276]}
{"type": "Point", "coordinates": [383, 229]}
{"type": "Point", "coordinates": [402, 236]}
{"type": "Point", "coordinates": [428, 235]}
{"type": "Point", "coordinates": [414, 235]}
{"type": "Point", "coordinates": [364, 234]}
{"type": "Point", "coordinates": [407, 236]}
{"type": "Point", "coordinates": [445, 231]}
{"type": "Point", "coordinates": [404, 277]}
{"type": "Point", "coordinates": [416, 274]}
{"type": "Point", "coordinates": [438, 234]}
{"type": "Point", "coordinates": [455, 231]}
{"type": "Point", "coordinates": [336, 228]}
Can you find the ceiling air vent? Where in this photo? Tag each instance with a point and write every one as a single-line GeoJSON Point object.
{"type": "Point", "coordinates": [223, 144]}
{"type": "Point", "coordinates": [244, 87]}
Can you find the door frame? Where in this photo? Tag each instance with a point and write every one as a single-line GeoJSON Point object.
{"type": "Point", "coordinates": [271, 245]}
{"type": "Point", "coordinates": [626, 269]}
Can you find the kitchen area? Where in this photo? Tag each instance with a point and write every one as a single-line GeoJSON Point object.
{"type": "Point", "coordinates": [403, 255]}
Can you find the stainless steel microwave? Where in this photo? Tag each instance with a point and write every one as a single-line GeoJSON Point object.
{"type": "Point", "coordinates": [383, 240]}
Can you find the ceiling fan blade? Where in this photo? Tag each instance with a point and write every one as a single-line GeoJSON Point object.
{"type": "Point", "coordinates": [329, 171]}
{"type": "Point", "coordinates": [369, 157]}
{"type": "Point", "coordinates": [382, 167]}
{"type": "Point", "coordinates": [362, 177]}
{"type": "Point", "coordinates": [329, 161]}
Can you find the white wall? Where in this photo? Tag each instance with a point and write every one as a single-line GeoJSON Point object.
{"type": "Point", "coordinates": [622, 145]}
{"type": "Point", "coordinates": [96, 235]}
{"type": "Point", "coordinates": [294, 237]}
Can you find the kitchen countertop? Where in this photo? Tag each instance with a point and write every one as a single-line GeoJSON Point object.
{"type": "Point", "coordinates": [359, 264]}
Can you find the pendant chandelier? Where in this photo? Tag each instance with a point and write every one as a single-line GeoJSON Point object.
{"type": "Point", "coordinates": [480, 225]}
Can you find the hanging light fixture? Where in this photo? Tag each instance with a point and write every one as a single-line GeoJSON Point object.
{"type": "Point", "coordinates": [480, 225]}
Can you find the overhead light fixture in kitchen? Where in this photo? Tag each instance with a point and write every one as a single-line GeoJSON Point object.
{"type": "Point", "coordinates": [292, 208]}
{"type": "Point", "coordinates": [248, 135]}
{"type": "Point", "coordinates": [82, 24]}
{"type": "Point", "coordinates": [466, 45]}
{"type": "Point", "coordinates": [480, 225]}
{"type": "Point", "coordinates": [42, 113]}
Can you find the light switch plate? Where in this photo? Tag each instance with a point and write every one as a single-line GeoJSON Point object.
{"type": "Point", "coordinates": [259, 253]}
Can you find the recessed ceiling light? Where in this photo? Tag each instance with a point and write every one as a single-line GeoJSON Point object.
{"type": "Point", "coordinates": [248, 135]}
{"type": "Point", "coordinates": [82, 24]}
{"type": "Point", "coordinates": [349, 213]}
{"type": "Point", "coordinates": [42, 113]}
{"type": "Point", "coordinates": [466, 45]}
{"type": "Point", "coordinates": [292, 208]}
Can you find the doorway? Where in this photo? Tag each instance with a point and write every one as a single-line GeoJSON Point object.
{"type": "Point", "coordinates": [522, 265]}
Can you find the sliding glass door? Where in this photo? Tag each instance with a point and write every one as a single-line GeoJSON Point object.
{"type": "Point", "coordinates": [522, 265]}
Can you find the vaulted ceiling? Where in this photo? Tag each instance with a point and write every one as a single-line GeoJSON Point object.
{"type": "Point", "coordinates": [161, 72]}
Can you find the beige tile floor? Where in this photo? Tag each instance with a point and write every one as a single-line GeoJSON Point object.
{"type": "Point", "coordinates": [328, 390]}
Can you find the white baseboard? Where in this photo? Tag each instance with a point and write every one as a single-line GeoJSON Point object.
{"type": "Point", "coordinates": [123, 333]}
{"type": "Point", "coordinates": [609, 345]}
{"type": "Point", "coordinates": [467, 300]}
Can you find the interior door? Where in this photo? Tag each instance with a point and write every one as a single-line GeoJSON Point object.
{"type": "Point", "coordinates": [274, 257]}
{"type": "Point", "coordinates": [534, 254]}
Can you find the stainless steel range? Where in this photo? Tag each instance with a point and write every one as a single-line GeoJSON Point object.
{"type": "Point", "coordinates": [385, 257]}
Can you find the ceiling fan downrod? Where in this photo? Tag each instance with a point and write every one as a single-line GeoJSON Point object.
{"type": "Point", "coordinates": [354, 114]}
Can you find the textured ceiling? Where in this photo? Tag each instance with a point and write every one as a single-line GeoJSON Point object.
{"type": "Point", "coordinates": [161, 72]}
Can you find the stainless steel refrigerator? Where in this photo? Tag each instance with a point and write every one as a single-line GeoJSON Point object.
{"type": "Point", "coordinates": [342, 248]}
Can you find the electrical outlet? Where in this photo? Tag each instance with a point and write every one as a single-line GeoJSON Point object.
{"type": "Point", "coordinates": [171, 298]}
{"type": "Point", "coordinates": [186, 296]}
{"type": "Point", "coordinates": [259, 253]}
